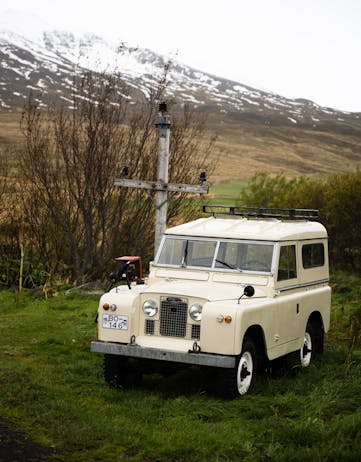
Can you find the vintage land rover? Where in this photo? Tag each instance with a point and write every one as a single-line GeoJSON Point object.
{"type": "Point", "coordinates": [231, 291]}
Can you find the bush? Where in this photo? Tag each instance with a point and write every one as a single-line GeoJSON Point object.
{"type": "Point", "coordinates": [343, 218]}
{"type": "Point", "coordinates": [337, 197]}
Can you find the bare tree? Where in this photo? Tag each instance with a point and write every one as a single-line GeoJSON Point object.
{"type": "Point", "coordinates": [10, 220]}
{"type": "Point", "coordinates": [4, 172]}
{"type": "Point", "coordinates": [78, 219]}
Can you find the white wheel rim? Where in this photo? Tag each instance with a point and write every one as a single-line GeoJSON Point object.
{"type": "Point", "coordinates": [306, 350]}
{"type": "Point", "coordinates": [244, 373]}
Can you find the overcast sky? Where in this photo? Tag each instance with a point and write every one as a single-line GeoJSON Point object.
{"type": "Point", "coordinates": [297, 48]}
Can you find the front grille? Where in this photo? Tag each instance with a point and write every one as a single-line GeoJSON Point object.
{"type": "Point", "coordinates": [173, 317]}
{"type": "Point", "coordinates": [172, 321]}
{"type": "Point", "coordinates": [149, 326]}
{"type": "Point", "coordinates": [196, 331]}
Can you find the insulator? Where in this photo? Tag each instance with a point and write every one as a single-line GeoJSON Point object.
{"type": "Point", "coordinates": [162, 107]}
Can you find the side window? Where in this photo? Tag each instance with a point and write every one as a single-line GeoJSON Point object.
{"type": "Point", "coordinates": [287, 268]}
{"type": "Point", "coordinates": [313, 255]}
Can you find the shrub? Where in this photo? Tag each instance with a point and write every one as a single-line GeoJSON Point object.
{"type": "Point", "coordinates": [337, 197]}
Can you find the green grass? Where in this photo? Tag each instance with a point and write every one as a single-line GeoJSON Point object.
{"type": "Point", "coordinates": [227, 193]}
{"type": "Point", "coordinates": [52, 388]}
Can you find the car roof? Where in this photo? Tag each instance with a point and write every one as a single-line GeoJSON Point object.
{"type": "Point", "coordinates": [270, 229]}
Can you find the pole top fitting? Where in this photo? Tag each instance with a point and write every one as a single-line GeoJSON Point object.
{"type": "Point", "coordinates": [163, 107]}
{"type": "Point", "coordinates": [164, 120]}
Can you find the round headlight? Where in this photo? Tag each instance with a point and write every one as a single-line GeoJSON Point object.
{"type": "Point", "coordinates": [150, 307]}
{"type": "Point", "coordinates": [195, 312]}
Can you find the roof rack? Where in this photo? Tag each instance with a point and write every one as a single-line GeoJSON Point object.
{"type": "Point", "coordinates": [261, 212]}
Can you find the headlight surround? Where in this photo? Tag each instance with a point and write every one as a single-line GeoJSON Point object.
{"type": "Point", "coordinates": [195, 312]}
{"type": "Point", "coordinates": [150, 308]}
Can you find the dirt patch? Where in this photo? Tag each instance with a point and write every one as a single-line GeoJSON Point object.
{"type": "Point", "coordinates": [16, 446]}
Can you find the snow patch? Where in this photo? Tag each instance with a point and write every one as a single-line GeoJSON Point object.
{"type": "Point", "coordinates": [4, 105]}
{"type": "Point", "coordinates": [254, 103]}
{"type": "Point", "coordinates": [241, 89]}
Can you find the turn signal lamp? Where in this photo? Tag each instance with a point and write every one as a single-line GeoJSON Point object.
{"type": "Point", "coordinates": [106, 306]}
{"type": "Point", "coordinates": [228, 319]}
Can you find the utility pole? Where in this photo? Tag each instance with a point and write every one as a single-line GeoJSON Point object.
{"type": "Point", "coordinates": [160, 187]}
{"type": "Point", "coordinates": [161, 204]}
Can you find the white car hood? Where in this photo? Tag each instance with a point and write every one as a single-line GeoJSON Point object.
{"type": "Point", "coordinates": [204, 290]}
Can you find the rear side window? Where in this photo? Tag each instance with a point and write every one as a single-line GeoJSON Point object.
{"type": "Point", "coordinates": [313, 255]}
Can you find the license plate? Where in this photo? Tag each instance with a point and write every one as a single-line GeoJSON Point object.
{"type": "Point", "coordinates": [115, 321]}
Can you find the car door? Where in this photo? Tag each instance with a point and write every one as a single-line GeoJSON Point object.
{"type": "Point", "coordinates": [288, 302]}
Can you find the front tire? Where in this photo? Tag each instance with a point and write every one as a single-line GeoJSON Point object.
{"type": "Point", "coordinates": [246, 369]}
{"type": "Point", "coordinates": [239, 380]}
{"type": "Point", "coordinates": [120, 372]}
{"type": "Point", "coordinates": [112, 370]}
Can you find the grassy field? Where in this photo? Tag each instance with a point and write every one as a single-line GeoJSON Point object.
{"type": "Point", "coordinates": [226, 193]}
{"type": "Point", "coordinates": [52, 389]}
{"type": "Point", "coordinates": [246, 149]}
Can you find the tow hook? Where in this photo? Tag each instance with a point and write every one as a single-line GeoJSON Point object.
{"type": "Point", "coordinates": [195, 348]}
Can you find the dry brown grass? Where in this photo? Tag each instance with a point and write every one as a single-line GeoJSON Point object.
{"type": "Point", "coordinates": [244, 149]}
{"type": "Point", "coordinates": [10, 128]}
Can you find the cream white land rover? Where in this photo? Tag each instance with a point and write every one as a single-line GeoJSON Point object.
{"type": "Point", "coordinates": [230, 292]}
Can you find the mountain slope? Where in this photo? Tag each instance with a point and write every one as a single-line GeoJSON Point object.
{"type": "Point", "coordinates": [49, 62]}
{"type": "Point", "coordinates": [297, 136]}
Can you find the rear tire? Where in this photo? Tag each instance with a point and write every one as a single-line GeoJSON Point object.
{"type": "Point", "coordinates": [312, 343]}
{"type": "Point", "coordinates": [306, 354]}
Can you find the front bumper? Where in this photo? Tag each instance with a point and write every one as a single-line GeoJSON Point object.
{"type": "Point", "coordinates": [136, 351]}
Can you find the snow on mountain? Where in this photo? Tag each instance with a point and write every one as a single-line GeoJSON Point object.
{"type": "Point", "coordinates": [23, 23]}
{"type": "Point", "coordinates": [47, 59]}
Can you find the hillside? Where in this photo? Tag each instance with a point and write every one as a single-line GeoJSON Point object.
{"type": "Point", "coordinates": [257, 130]}
{"type": "Point", "coordinates": [249, 148]}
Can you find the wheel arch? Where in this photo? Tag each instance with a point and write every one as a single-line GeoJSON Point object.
{"type": "Point", "coordinates": [256, 333]}
{"type": "Point", "coordinates": [316, 321]}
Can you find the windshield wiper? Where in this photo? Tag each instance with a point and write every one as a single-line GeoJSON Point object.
{"type": "Point", "coordinates": [185, 254]}
{"type": "Point", "coordinates": [228, 265]}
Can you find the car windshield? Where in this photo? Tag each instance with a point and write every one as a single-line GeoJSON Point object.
{"type": "Point", "coordinates": [245, 256]}
{"type": "Point", "coordinates": [187, 252]}
{"type": "Point", "coordinates": [228, 255]}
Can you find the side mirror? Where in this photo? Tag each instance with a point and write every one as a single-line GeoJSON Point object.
{"type": "Point", "coordinates": [248, 291]}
